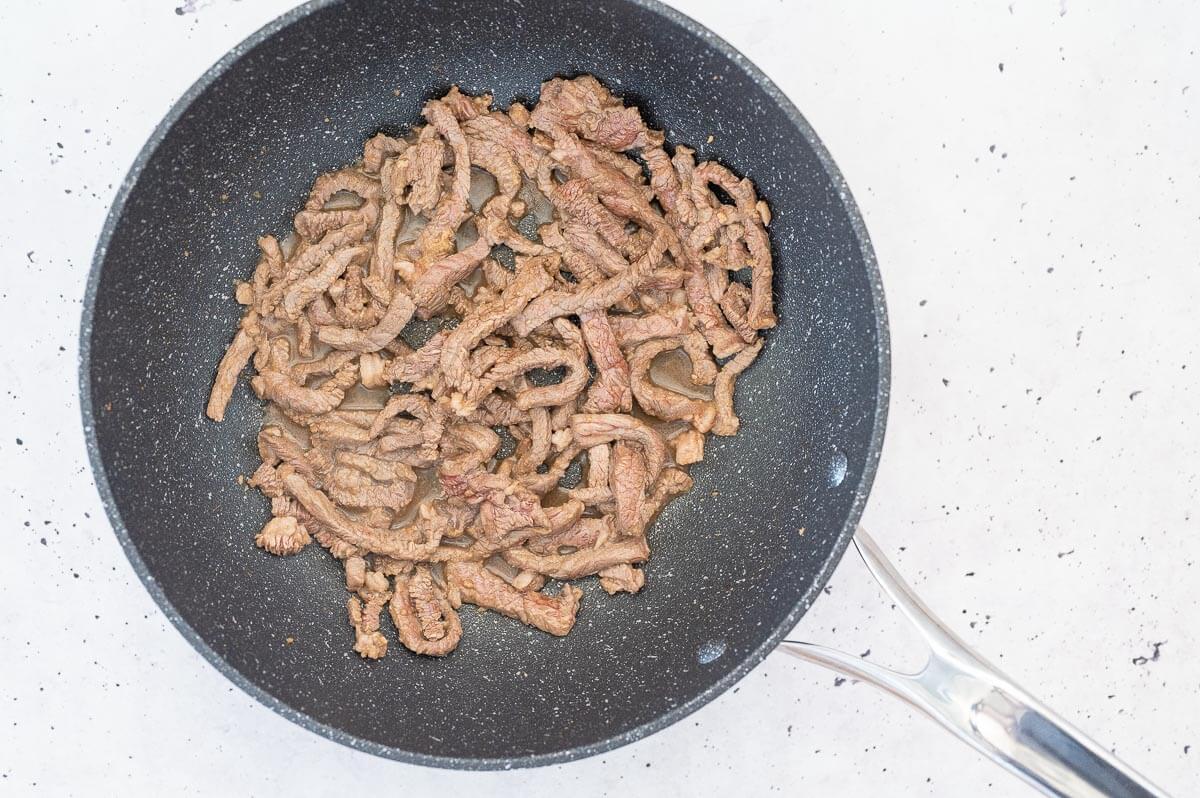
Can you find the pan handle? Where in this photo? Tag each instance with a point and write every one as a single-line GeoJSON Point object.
{"type": "Point", "coordinates": [981, 706]}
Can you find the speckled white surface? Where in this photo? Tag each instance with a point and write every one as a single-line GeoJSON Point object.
{"type": "Point", "coordinates": [1030, 175]}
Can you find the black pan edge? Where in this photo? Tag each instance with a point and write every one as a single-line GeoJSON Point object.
{"type": "Point", "coordinates": [861, 491]}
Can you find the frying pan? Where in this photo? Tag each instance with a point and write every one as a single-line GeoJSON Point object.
{"type": "Point", "coordinates": [736, 562]}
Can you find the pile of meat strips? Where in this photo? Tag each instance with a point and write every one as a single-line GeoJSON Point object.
{"type": "Point", "coordinates": [489, 351]}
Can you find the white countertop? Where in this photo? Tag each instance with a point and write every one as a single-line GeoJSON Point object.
{"type": "Point", "coordinates": [1030, 175]}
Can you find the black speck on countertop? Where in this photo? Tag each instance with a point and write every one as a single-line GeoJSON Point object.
{"type": "Point", "coordinates": [1142, 660]}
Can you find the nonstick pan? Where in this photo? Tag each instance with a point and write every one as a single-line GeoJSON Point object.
{"type": "Point", "coordinates": [736, 562]}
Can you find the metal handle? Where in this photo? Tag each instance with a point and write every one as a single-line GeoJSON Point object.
{"type": "Point", "coordinates": [982, 707]}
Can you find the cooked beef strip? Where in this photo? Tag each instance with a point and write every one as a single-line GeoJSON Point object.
{"type": "Point", "coordinates": [591, 429]}
{"type": "Point", "coordinates": [472, 583]}
{"type": "Point", "coordinates": [399, 311]}
{"type": "Point", "coordinates": [364, 609]}
{"type": "Point", "coordinates": [761, 314]}
{"type": "Point", "coordinates": [585, 533]}
{"type": "Point", "coordinates": [689, 447]}
{"type": "Point", "coordinates": [282, 535]}
{"type": "Point", "coordinates": [412, 485]}
{"type": "Point", "coordinates": [662, 402]}
{"type": "Point", "coordinates": [583, 562]}
{"type": "Point", "coordinates": [666, 322]}
{"type": "Point", "coordinates": [610, 392]}
{"type": "Point", "coordinates": [425, 171]}
{"type": "Point", "coordinates": [727, 422]}
{"type": "Point", "coordinates": [232, 362]}
{"type": "Point", "coordinates": [555, 303]}
{"type": "Point", "coordinates": [623, 578]}
{"type": "Point", "coordinates": [435, 616]}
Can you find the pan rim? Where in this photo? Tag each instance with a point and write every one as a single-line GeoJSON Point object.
{"type": "Point", "coordinates": [749, 661]}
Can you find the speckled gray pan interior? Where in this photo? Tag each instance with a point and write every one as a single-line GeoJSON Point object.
{"type": "Point", "coordinates": [735, 563]}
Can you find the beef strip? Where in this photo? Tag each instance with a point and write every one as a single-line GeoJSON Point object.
{"type": "Point", "coordinates": [232, 362]}
{"type": "Point", "coordinates": [425, 171]}
{"type": "Point", "coordinates": [472, 583]}
{"type": "Point", "coordinates": [628, 480]}
{"type": "Point", "coordinates": [312, 285]}
{"type": "Point", "coordinates": [381, 541]}
{"type": "Point", "coordinates": [727, 422]}
{"type": "Point", "coordinates": [431, 290]}
{"type": "Point", "coordinates": [591, 429]}
{"type": "Point", "coordinates": [662, 402]}
{"type": "Point", "coordinates": [531, 279]}
{"type": "Point", "coordinates": [364, 610]}
{"type": "Point", "coordinates": [623, 578]}
{"type": "Point", "coordinates": [585, 533]}
{"type": "Point", "coordinates": [555, 303]}
{"type": "Point", "coordinates": [399, 311]}
{"type": "Point", "coordinates": [282, 535]}
{"type": "Point", "coordinates": [583, 562]}
{"type": "Point", "coordinates": [689, 447]}
{"type": "Point", "coordinates": [610, 392]}
{"type": "Point", "coordinates": [667, 322]}
{"type": "Point", "coordinates": [761, 314]}
{"type": "Point", "coordinates": [425, 621]}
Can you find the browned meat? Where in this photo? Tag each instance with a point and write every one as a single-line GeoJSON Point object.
{"type": "Point", "coordinates": [381, 541]}
{"type": "Point", "coordinates": [628, 481]}
{"type": "Point", "coordinates": [610, 392]}
{"type": "Point", "coordinates": [500, 129]}
{"type": "Point", "coordinates": [667, 322]}
{"type": "Point", "coordinates": [662, 402]}
{"type": "Point", "coordinates": [704, 369]}
{"type": "Point", "coordinates": [623, 578]}
{"type": "Point", "coordinates": [689, 447]}
{"type": "Point", "coordinates": [364, 610]}
{"type": "Point", "coordinates": [379, 148]}
{"type": "Point", "coordinates": [389, 453]}
{"type": "Point", "coordinates": [498, 161]}
{"type": "Point", "coordinates": [670, 483]}
{"type": "Point", "coordinates": [534, 450]}
{"type": "Point", "coordinates": [425, 171]}
{"type": "Point", "coordinates": [584, 107]}
{"type": "Point", "coordinates": [574, 198]}
{"type": "Point", "coordinates": [591, 429]}
{"type": "Point", "coordinates": [708, 316]}
{"type": "Point", "coordinates": [282, 535]}
{"type": "Point", "coordinates": [563, 516]}
{"type": "Point", "coordinates": [325, 210]}
{"type": "Point", "coordinates": [761, 314]}
{"type": "Point", "coordinates": [399, 311]}
{"type": "Point", "coordinates": [464, 106]}
{"type": "Point", "coordinates": [555, 303]}
{"type": "Point", "coordinates": [531, 280]}
{"type": "Point", "coordinates": [585, 533]}
{"type": "Point", "coordinates": [727, 422]}
{"type": "Point", "coordinates": [312, 285]}
{"type": "Point", "coordinates": [232, 362]}
{"type": "Point", "coordinates": [425, 621]}
{"type": "Point", "coordinates": [432, 287]}
{"type": "Point", "coordinates": [474, 584]}
{"type": "Point", "coordinates": [304, 260]}
{"type": "Point", "coordinates": [281, 389]}
{"type": "Point", "coordinates": [583, 562]}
